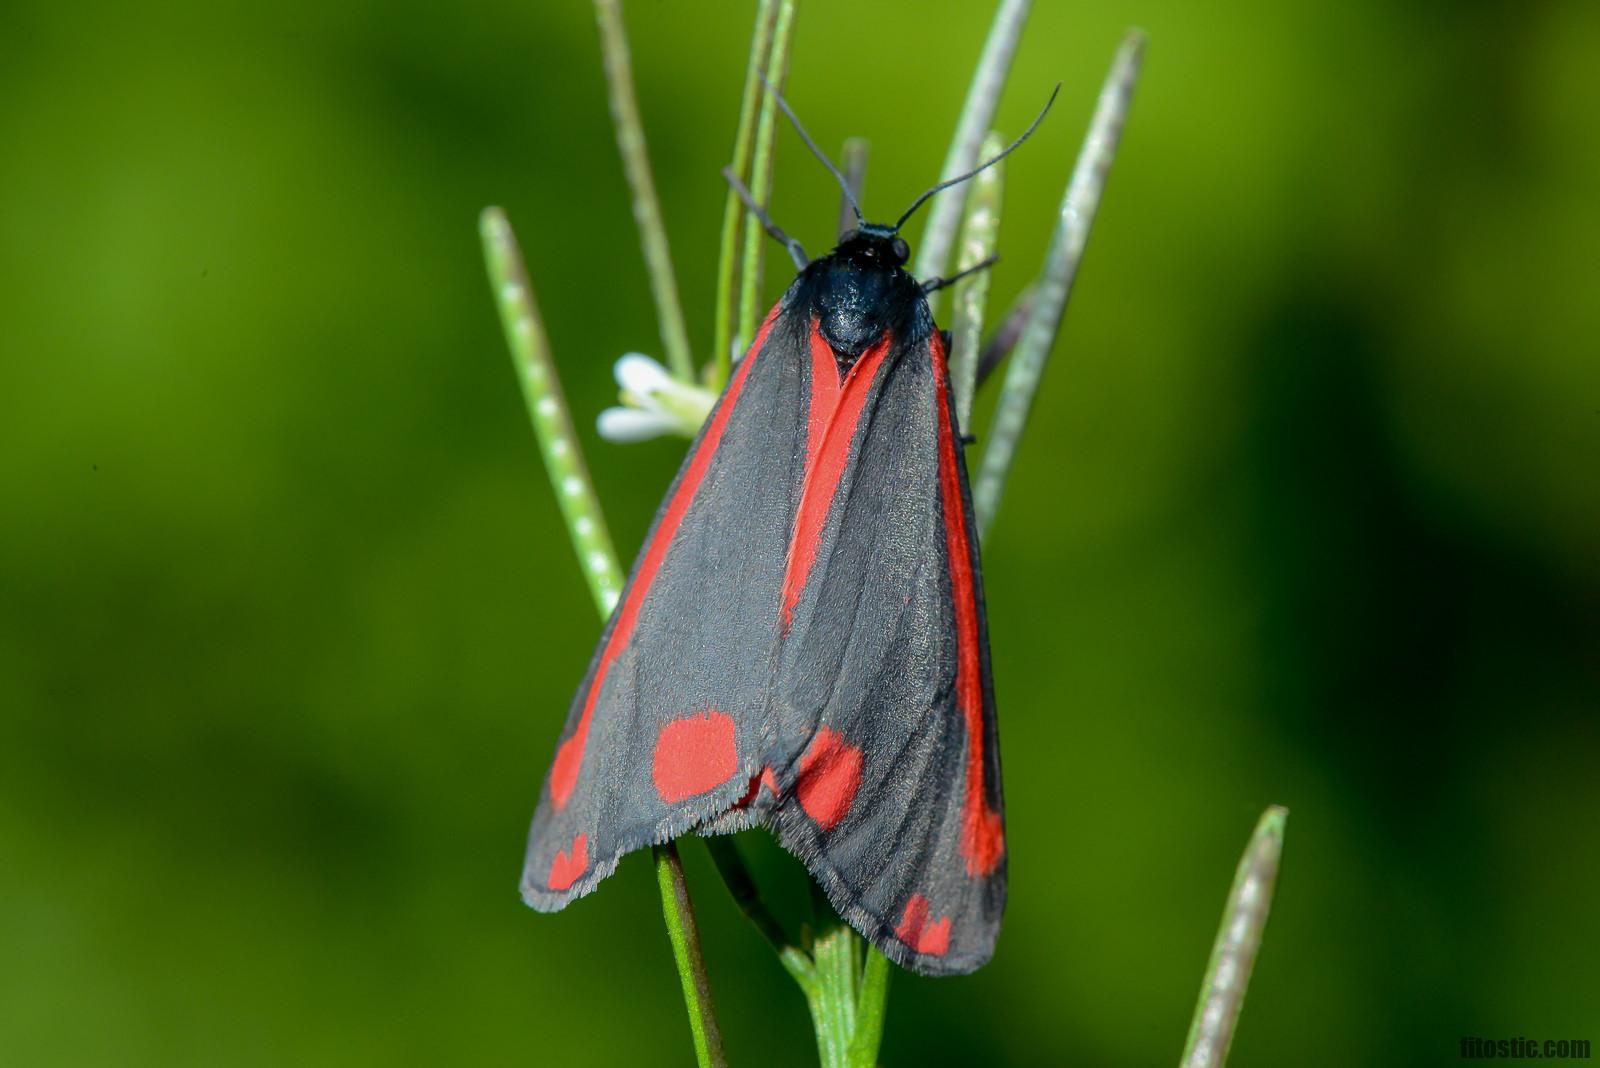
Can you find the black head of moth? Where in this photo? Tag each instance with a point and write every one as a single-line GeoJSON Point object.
{"type": "Point", "coordinates": [860, 291]}
{"type": "Point", "coordinates": [801, 643]}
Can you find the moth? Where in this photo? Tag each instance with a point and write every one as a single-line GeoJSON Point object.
{"type": "Point", "coordinates": [801, 643]}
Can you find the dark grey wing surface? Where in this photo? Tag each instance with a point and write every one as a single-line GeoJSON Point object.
{"type": "Point", "coordinates": [667, 730]}
{"type": "Point", "coordinates": [894, 799]}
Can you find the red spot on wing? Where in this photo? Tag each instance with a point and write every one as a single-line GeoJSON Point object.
{"type": "Point", "coordinates": [570, 863]}
{"type": "Point", "coordinates": [693, 755]}
{"type": "Point", "coordinates": [766, 779]}
{"type": "Point", "coordinates": [915, 931]}
{"type": "Point", "coordinates": [831, 426]}
{"type": "Point", "coordinates": [830, 775]}
{"type": "Point", "coordinates": [569, 756]}
{"type": "Point", "coordinates": [982, 834]}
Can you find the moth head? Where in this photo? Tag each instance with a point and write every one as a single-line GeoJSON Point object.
{"type": "Point", "coordinates": [877, 244]}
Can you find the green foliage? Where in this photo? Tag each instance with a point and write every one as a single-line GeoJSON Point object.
{"type": "Point", "coordinates": [1306, 516]}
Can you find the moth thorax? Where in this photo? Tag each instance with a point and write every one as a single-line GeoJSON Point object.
{"type": "Point", "coordinates": [854, 307]}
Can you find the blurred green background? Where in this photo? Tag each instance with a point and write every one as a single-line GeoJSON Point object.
{"type": "Point", "coordinates": [289, 622]}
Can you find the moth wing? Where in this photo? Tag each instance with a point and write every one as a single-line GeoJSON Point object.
{"type": "Point", "coordinates": [894, 800]}
{"type": "Point", "coordinates": [669, 725]}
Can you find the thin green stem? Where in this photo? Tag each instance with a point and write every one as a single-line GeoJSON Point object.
{"type": "Point", "coordinates": [569, 477]}
{"type": "Point", "coordinates": [1054, 285]}
{"type": "Point", "coordinates": [733, 213]}
{"type": "Point", "coordinates": [847, 999]}
{"type": "Point", "coordinates": [646, 206]}
{"type": "Point", "coordinates": [853, 161]}
{"type": "Point", "coordinates": [870, 1011]}
{"type": "Point", "coordinates": [761, 174]}
{"type": "Point", "coordinates": [736, 877]}
{"type": "Point", "coordinates": [678, 911]}
{"type": "Point", "coordinates": [977, 115]}
{"type": "Point", "coordinates": [547, 408]}
{"type": "Point", "coordinates": [1006, 335]}
{"type": "Point", "coordinates": [850, 996]}
{"type": "Point", "coordinates": [1244, 919]}
{"type": "Point", "coordinates": [833, 1007]}
{"type": "Point", "coordinates": [978, 236]}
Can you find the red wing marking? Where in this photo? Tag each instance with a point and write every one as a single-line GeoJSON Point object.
{"type": "Point", "coordinates": [766, 779]}
{"type": "Point", "coordinates": [915, 931]}
{"type": "Point", "coordinates": [835, 412]}
{"type": "Point", "coordinates": [693, 755]}
{"type": "Point", "coordinates": [982, 836]}
{"type": "Point", "coordinates": [830, 775]}
{"type": "Point", "coordinates": [824, 394]}
{"type": "Point", "coordinates": [570, 863]}
{"type": "Point", "coordinates": [569, 757]}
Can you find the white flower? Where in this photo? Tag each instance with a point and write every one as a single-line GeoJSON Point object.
{"type": "Point", "coordinates": [641, 376]}
{"type": "Point", "coordinates": [653, 403]}
{"type": "Point", "coordinates": [633, 424]}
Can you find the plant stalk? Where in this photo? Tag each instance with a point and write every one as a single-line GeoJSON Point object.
{"type": "Point", "coordinates": [678, 911]}
{"type": "Point", "coordinates": [853, 161]}
{"type": "Point", "coordinates": [646, 205]}
{"type": "Point", "coordinates": [736, 877]}
{"type": "Point", "coordinates": [761, 175]}
{"type": "Point", "coordinates": [1054, 286]}
{"type": "Point", "coordinates": [733, 213]}
{"type": "Point", "coordinates": [1233, 955]}
{"type": "Point", "coordinates": [979, 234]}
{"type": "Point", "coordinates": [547, 409]}
{"type": "Point", "coordinates": [871, 1010]}
{"type": "Point", "coordinates": [977, 115]}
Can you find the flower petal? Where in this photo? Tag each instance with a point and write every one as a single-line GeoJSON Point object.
{"type": "Point", "coordinates": [641, 376]}
{"type": "Point", "coordinates": [633, 424]}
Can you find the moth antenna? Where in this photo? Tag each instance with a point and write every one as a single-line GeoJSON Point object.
{"type": "Point", "coordinates": [844, 183]}
{"type": "Point", "coordinates": [958, 179]}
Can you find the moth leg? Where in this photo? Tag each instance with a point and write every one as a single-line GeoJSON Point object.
{"type": "Point", "coordinates": [937, 283]}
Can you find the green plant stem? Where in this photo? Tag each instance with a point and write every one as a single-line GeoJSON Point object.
{"type": "Point", "coordinates": [979, 233]}
{"type": "Point", "coordinates": [1006, 335]}
{"type": "Point", "coordinates": [853, 161]}
{"type": "Point", "coordinates": [833, 1008]}
{"type": "Point", "coordinates": [870, 1011]}
{"type": "Point", "coordinates": [761, 174]}
{"type": "Point", "coordinates": [733, 213]}
{"type": "Point", "coordinates": [646, 205]}
{"type": "Point", "coordinates": [977, 115]}
{"type": "Point", "coordinates": [678, 911]}
{"type": "Point", "coordinates": [547, 408]}
{"type": "Point", "coordinates": [849, 998]}
{"type": "Point", "coordinates": [1233, 955]}
{"type": "Point", "coordinates": [1054, 285]}
{"type": "Point", "coordinates": [736, 877]}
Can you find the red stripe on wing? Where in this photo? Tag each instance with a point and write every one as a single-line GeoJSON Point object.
{"type": "Point", "coordinates": [824, 394]}
{"type": "Point", "coordinates": [835, 412]}
{"type": "Point", "coordinates": [569, 757]}
{"type": "Point", "coordinates": [982, 835]}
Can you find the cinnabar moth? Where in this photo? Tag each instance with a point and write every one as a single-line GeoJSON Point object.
{"type": "Point", "coordinates": [802, 642]}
